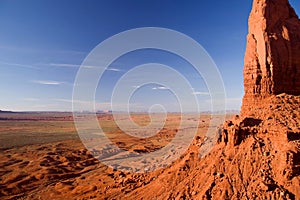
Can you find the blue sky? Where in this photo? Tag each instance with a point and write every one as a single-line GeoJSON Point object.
{"type": "Point", "coordinates": [43, 43]}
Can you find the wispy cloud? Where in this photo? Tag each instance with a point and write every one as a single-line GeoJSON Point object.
{"type": "Point", "coordinates": [46, 82]}
{"type": "Point", "coordinates": [113, 69]}
{"type": "Point", "coordinates": [63, 65]}
{"type": "Point", "coordinates": [70, 65]}
{"type": "Point", "coordinates": [200, 93]}
{"type": "Point", "coordinates": [160, 88]}
{"type": "Point", "coordinates": [18, 65]}
{"type": "Point", "coordinates": [90, 67]}
{"type": "Point", "coordinates": [67, 65]}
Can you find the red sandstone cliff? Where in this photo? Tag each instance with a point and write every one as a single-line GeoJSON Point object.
{"type": "Point", "coordinates": [272, 59]}
{"type": "Point", "coordinates": [267, 134]}
{"type": "Point", "coordinates": [258, 153]}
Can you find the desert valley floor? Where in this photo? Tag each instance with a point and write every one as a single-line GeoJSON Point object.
{"type": "Point", "coordinates": [42, 157]}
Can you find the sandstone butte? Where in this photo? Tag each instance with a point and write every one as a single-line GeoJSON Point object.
{"type": "Point", "coordinates": [267, 134]}
{"type": "Point", "coordinates": [272, 59]}
{"type": "Point", "coordinates": [257, 155]}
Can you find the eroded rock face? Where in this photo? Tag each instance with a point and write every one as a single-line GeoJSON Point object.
{"type": "Point", "coordinates": [268, 144]}
{"type": "Point", "coordinates": [264, 141]}
{"type": "Point", "coordinates": [272, 59]}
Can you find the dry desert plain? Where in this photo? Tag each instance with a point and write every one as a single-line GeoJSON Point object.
{"type": "Point", "coordinates": [42, 157]}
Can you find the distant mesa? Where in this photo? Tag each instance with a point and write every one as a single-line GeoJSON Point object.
{"type": "Point", "coordinates": [3, 111]}
{"type": "Point", "coordinates": [104, 111]}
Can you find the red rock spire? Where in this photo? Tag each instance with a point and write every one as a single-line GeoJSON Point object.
{"type": "Point", "coordinates": [272, 59]}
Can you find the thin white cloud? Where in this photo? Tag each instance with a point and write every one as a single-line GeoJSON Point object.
{"type": "Point", "coordinates": [64, 65]}
{"type": "Point", "coordinates": [89, 67]}
{"type": "Point", "coordinates": [18, 65]}
{"type": "Point", "coordinates": [160, 88]}
{"type": "Point", "coordinates": [68, 65]}
{"type": "Point", "coordinates": [200, 93]}
{"type": "Point", "coordinates": [113, 69]}
{"type": "Point", "coordinates": [45, 82]}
